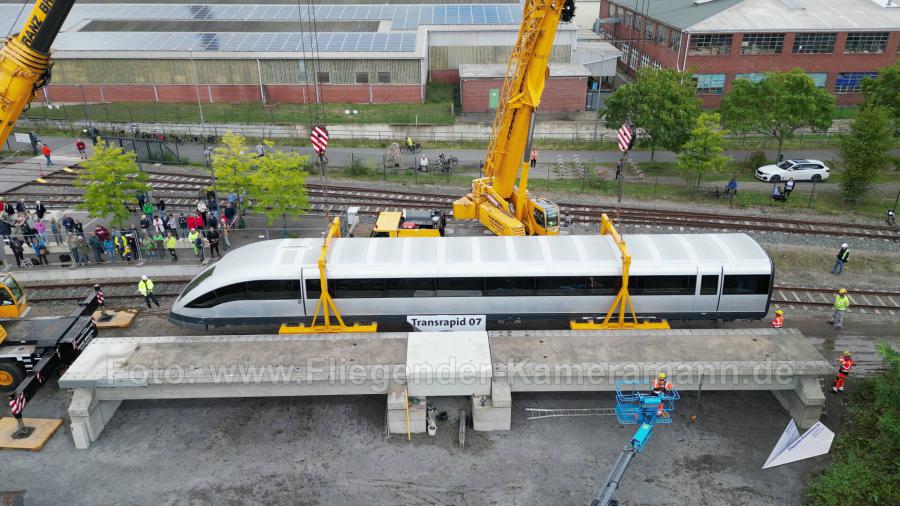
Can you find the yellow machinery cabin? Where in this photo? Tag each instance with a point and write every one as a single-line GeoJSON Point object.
{"type": "Point", "coordinates": [395, 224]}
{"type": "Point", "coordinates": [13, 302]}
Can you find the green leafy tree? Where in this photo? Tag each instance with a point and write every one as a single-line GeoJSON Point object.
{"type": "Point", "coordinates": [234, 164]}
{"type": "Point", "coordinates": [865, 150]}
{"type": "Point", "coordinates": [702, 153]}
{"type": "Point", "coordinates": [662, 103]}
{"type": "Point", "coordinates": [278, 186]}
{"type": "Point", "coordinates": [885, 91]}
{"type": "Point", "coordinates": [111, 177]}
{"type": "Point", "coordinates": [778, 106]}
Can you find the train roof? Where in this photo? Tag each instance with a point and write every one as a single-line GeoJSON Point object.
{"type": "Point", "coordinates": [492, 256]}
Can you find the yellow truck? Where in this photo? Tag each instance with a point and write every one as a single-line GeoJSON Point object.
{"type": "Point", "coordinates": [409, 224]}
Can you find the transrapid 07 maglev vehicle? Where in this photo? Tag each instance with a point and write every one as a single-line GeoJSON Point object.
{"type": "Point", "coordinates": [503, 279]}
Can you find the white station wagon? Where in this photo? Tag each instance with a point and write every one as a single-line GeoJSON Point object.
{"type": "Point", "coordinates": [800, 170]}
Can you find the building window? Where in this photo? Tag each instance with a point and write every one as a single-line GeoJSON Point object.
{"type": "Point", "coordinates": [675, 40]}
{"type": "Point", "coordinates": [710, 84]}
{"type": "Point", "coordinates": [323, 77]}
{"type": "Point", "coordinates": [362, 78]}
{"type": "Point", "coordinates": [649, 32]}
{"type": "Point", "coordinates": [634, 58]}
{"type": "Point", "coordinates": [628, 17]}
{"type": "Point", "coordinates": [645, 61]}
{"type": "Point", "coordinates": [850, 82]}
{"type": "Point", "coordinates": [755, 77]}
{"type": "Point", "coordinates": [762, 43]}
{"type": "Point", "coordinates": [710, 44]}
{"type": "Point", "coordinates": [814, 43]}
{"type": "Point", "coordinates": [638, 24]}
{"type": "Point", "coordinates": [819, 78]}
{"type": "Point", "coordinates": [626, 48]}
{"type": "Point", "coordinates": [866, 43]}
{"type": "Point", "coordinates": [662, 33]}
{"type": "Point", "coordinates": [301, 74]}
{"type": "Point", "coordinates": [656, 65]}
{"type": "Point", "coordinates": [384, 78]}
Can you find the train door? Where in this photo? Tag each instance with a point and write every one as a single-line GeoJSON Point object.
{"type": "Point", "coordinates": [709, 284]}
{"type": "Point", "coordinates": [13, 303]}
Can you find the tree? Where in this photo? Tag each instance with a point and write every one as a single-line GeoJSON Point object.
{"type": "Point", "coordinates": [278, 186]}
{"type": "Point", "coordinates": [233, 164]}
{"type": "Point", "coordinates": [778, 106]}
{"type": "Point", "coordinates": [702, 154]}
{"type": "Point", "coordinates": [662, 103]}
{"type": "Point", "coordinates": [110, 178]}
{"type": "Point", "coordinates": [885, 91]}
{"type": "Point", "coordinates": [865, 150]}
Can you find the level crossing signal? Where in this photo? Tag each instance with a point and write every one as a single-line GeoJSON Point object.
{"type": "Point", "coordinates": [625, 137]}
{"type": "Point", "coordinates": [319, 139]}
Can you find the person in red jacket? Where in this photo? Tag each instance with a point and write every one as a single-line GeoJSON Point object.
{"type": "Point", "coordinates": [81, 147]}
{"type": "Point", "coordinates": [46, 152]}
{"type": "Point", "coordinates": [778, 321]}
{"type": "Point", "coordinates": [844, 365]}
{"type": "Point", "coordinates": [660, 387]}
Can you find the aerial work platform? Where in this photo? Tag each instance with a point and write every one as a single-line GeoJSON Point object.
{"type": "Point", "coordinates": [486, 366]}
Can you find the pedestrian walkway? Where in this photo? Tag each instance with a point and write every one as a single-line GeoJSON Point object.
{"type": "Point", "coordinates": [110, 271]}
{"type": "Point", "coordinates": [19, 174]}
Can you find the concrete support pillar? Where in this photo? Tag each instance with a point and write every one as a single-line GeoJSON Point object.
{"type": "Point", "coordinates": [493, 412]}
{"type": "Point", "coordinates": [89, 416]}
{"type": "Point", "coordinates": [804, 403]}
{"type": "Point", "coordinates": [396, 411]}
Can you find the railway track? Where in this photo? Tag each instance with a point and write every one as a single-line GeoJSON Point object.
{"type": "Point", "coordinates": [863, 301]}
{"type": "Point", "coordinates": [180, 192]}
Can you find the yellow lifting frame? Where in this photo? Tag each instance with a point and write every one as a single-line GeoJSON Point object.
{"type": "Point", "coordinates": [623, 298]}
{"type": "Point", "coordinates": [326, 303]}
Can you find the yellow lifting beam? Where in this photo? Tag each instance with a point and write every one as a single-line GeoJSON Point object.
{"type": "Point", "coordinates": [326, 306]}
{"type": "Point", "coordinates": [623, 298]}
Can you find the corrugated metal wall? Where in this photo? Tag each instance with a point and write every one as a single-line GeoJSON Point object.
{"type": "Point", "coordinates": [175, 71]}
{"type": "Point", "coordinates": [450, 57]}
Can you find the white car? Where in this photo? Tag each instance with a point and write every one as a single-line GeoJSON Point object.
{"type": "Point", "coordinates": [800, 170]}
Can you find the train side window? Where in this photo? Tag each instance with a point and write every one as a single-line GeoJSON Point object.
{"type": "Point", "coordinates": [221, 295]}
{"type": "Point", "coordinates": [561, 285]}
{"type": "Point", "coordinates": [460, 287]}
{"type": "Point", "coordinates": [275, 289]}
{"type": "Point", "coordinates": [509, 287]}
{"type": "Point", "coordinates": [410, 287]}
{"type": "Point", "coordinates": [709, 285]}
{"type": "Point", "coordinates": [751, 284]}
{"type": "Point", "coordinates": [662, 285]}
{"type": "Point", "coordinates": [313, 288]}
{"type": "Point", "coordinates": [603, 285]}
{"type": "Point", "coordinates": [358, 288]}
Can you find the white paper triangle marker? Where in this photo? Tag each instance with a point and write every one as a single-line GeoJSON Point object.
{"type": "Point", "coordinates": [792, 447]}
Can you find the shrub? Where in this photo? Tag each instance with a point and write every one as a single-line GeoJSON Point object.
{"type": "Point", "coordinates": [755, 160]}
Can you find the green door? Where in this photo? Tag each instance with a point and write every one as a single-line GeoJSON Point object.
{"type": "Point", "coordinates": [493, 98]}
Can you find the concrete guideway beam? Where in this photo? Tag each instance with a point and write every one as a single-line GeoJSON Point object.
{"type": "Point", "coordinates": [485, 366]}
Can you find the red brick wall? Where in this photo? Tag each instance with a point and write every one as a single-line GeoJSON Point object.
{"type": "Point", "coordinates": [560, 94]}
{"type": "Point", "coordinates": [444, 76]}
{"type": "Point", "coordinates": [182, 93]}
{"type": "Point", "coordinates": [397, 94]}
{"type": "Point", "coordinates": [736, 63]}
{"type": "Point", "coordinates": [235, 93]}
{"type": "Point", "coordinates": [289, 93]}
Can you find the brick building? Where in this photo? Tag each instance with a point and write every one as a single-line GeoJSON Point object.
{"type": "Point", "coordinates": [837, 42]}
{"type": "Point", "coordinates": [565, 91]}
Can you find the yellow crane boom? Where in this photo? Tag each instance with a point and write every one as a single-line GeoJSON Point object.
{"type": "Point", "coordinates": [25, 60]}
{"type": "Point", "coordinates": [496, 201]}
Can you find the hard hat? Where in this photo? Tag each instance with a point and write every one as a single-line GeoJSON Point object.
{"type": "Point", "coordinates": [842, 291]}
{"type": "Point", "coordinates": [779, 312]}
{"type": "Point", "coordinates": [844, 245]}
{"type": "Point", "coordinates": [847, 354]}
{"type": "Point", "coordinates": [144, 277]}
{"type": "Point", "coordinates": [662, 375]}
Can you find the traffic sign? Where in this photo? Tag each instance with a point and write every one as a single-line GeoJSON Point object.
{"type": "Point", "coordinates": [319, 139]}
{"type": "Point", "coordinates": [625, 137]}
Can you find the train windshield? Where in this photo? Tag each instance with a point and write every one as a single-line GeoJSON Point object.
{"type": "Point", "coordinates": [199, 279]}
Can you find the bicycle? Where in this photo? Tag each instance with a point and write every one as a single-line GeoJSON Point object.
{"type": "Point", "coordinates": [415, 148]}
{"type": "Point", "coordinates": [445, 163]}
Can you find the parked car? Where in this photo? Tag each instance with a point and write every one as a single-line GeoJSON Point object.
{"type": "Point", "coordinates": [800, 170]}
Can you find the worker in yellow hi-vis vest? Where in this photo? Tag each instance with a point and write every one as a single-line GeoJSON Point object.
{"type": "Point", "coordinates": [145, 286]}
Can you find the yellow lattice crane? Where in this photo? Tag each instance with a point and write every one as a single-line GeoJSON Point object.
{"type": "Point", "coordinates": [25, 60]}
{"type": "Point", "coordinates": [496, 201]}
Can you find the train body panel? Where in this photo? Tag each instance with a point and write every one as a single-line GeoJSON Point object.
{"type": "Point", "coordinates": [675, 276]}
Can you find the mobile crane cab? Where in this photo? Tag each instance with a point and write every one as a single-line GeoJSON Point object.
{"type": "Point", "coordinates": [13, 301]}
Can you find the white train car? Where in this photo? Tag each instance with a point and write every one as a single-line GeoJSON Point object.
{"type": "Point", "coordinates": [506, 279]}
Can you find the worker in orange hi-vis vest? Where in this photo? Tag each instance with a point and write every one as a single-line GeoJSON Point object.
{"type": "Point", "coordinates": [844, 365]}
{"type": "Point", "coordinates": [661, 387]}
{"type": "Point", "coordinates": [778, 321]}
